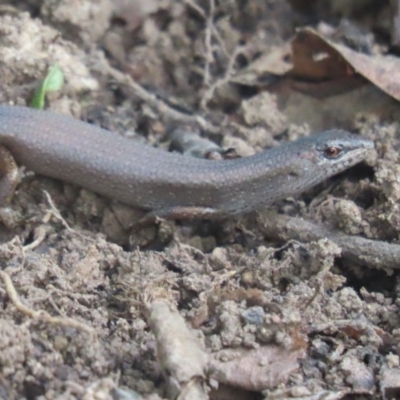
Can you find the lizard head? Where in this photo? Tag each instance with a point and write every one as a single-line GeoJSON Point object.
{"type": "Point", "coordinates": [337, 150]}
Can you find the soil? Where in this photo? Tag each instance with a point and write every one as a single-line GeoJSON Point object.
{"type": "Point", "coordinates": [94, 308]}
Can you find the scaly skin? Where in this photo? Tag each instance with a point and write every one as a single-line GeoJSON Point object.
{"type": "Point", "coordinates": [169, 184]}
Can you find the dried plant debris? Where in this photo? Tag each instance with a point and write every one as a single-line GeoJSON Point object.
{"type": "Point", "coordinates": [255, 370]}
{"type": "Point", "coordinates": [179, 352]}
{"type": "Point", "coordinates": [318, 58]}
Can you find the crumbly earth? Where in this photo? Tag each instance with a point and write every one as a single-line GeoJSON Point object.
{"type": "Point", "coordinates": [276, 319]}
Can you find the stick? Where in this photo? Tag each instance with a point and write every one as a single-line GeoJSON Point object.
{"type": "Point", "coordinates": [372, 253]}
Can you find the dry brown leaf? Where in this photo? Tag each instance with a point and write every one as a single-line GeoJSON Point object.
{"type": "Point", "coordinates": [317, 58]}
{"type": "Point", "coordinates": [255, 369]}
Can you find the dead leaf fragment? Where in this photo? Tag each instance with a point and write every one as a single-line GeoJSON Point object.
{"type": "Point", "coordinates": [257, 369]}
{"type": "Point", "coordinates": [317, 58]}
{"type": "Point", "coordinates": [179, 352]}
{"type": "Point", "coordinates": [314, 58]}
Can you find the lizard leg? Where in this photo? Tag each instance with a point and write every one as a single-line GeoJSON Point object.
{"type": "Point", "coordinates": [173, 213]}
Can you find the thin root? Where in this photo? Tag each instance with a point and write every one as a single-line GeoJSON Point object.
{"type": "Point", "coordinates": [40, 315]}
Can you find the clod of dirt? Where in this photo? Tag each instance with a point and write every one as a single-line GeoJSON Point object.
{"type": "Point", "coordinates": [22, 57]}
{"type": "Point", "coordinates": [86, 19]}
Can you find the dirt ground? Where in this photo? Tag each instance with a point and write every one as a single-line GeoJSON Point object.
{"type": "Point", "coordinates": [298, 301]}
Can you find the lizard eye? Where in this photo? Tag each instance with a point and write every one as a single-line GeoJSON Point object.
{"type": "Point", "coordinates": [332, 152]}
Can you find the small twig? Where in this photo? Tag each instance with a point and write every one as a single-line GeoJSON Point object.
{"type": "Point", "coordinates": [196, 7]}
{"type": "Point", "coordinates": [209, 93]}
{"type": "Point", "coordinates": [362, 326]}
{"type": "Point", "coordinates": [215, 32]}
{"type": "Point", "coordinates": [372, 253]}
{"type": "Point", "coordinates": [39, 235]}
{"type": "Point", "coordinates": [210, 32]}
{"type": "Point", "coordinates": [208, 45]}
{"type": "Point", "coordinates": [152, 100]}
{"type": "Point", "coordinates": [57, 215]}
{"type": "Point", "coordinates": [40, 315]}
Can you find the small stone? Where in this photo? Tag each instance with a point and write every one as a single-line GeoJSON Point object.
{"type": "Point", "coordinates": [253, 316]}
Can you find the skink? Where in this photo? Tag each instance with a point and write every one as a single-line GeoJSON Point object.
{"type": "Point", "coordinates": [167, 184]}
